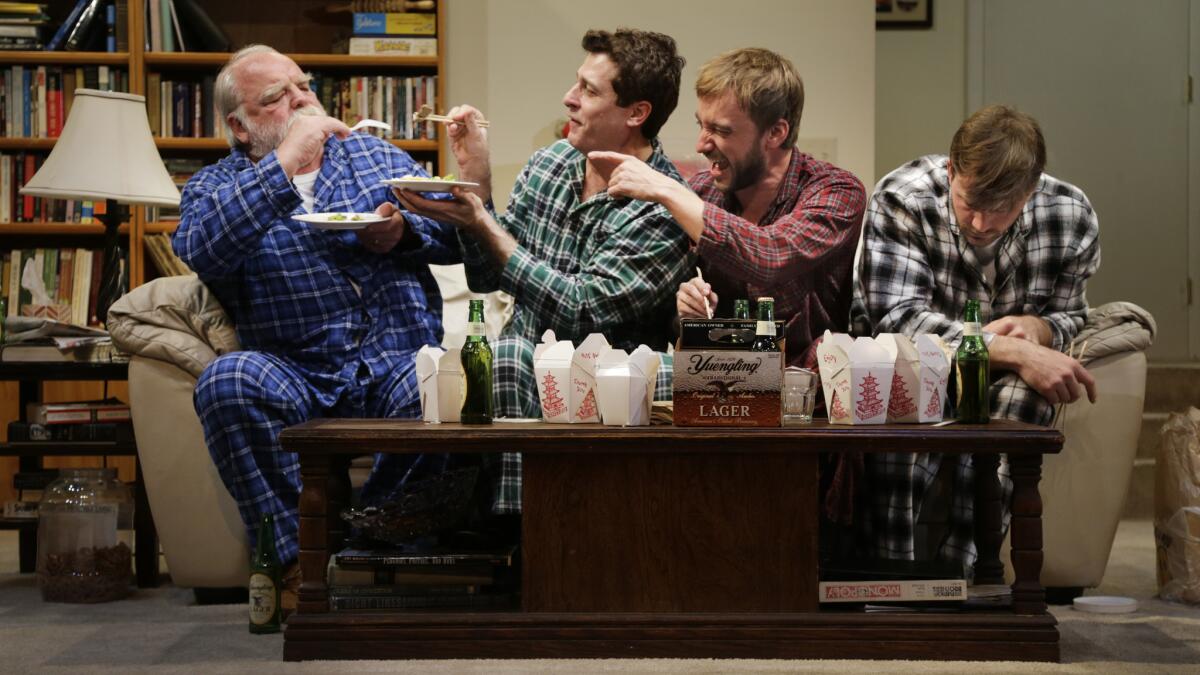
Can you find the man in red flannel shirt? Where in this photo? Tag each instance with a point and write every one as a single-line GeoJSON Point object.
{"type": "Point", "coordinates": [765, 218]}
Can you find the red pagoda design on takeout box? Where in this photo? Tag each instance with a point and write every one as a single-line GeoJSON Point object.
{"type": "Point", "coordinates": [566, 377]}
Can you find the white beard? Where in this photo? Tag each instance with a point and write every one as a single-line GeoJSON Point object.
{"type": "Point", "coordinates": [267, 137]}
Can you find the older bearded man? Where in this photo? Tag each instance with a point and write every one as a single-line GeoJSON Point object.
{"type": "Point", "coordinates": [330, 320]}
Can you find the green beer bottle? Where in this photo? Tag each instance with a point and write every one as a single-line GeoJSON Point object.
{"type": "Point", "coordinates": [266, 580]}
{"type": "Point", "coordinates": [477, 370]}
{"type": "Point", "coordinates": [741, 309]}
{"type": "Point", "coordinates": [974, 376]}
{"type": "Point", "coordinates": [764, 338]}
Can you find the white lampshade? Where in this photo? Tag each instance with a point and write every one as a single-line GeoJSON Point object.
{"type": "Point", "coordinates": [105, 152]}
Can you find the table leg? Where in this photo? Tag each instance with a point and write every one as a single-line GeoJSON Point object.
{"type": "Point", "coordinates": [318, 521]}
{"type": "Point", "coordinates": [988, 519]}
{"type": "Point", "coordinates": [27, 547]}
{"type": "Point", "coordinates": [1029, 597]}
{"type": "Point", "coordinates": [144, 533]}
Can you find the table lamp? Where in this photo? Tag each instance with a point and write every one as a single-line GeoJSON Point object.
{"type": "Point", "coordinates": [106, 153]}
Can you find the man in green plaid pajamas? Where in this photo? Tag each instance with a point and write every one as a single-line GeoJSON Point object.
{"type": "Point", "coordinates": [574, 259]}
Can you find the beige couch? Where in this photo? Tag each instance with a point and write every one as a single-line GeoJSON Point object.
{"type": "Point", "coordinates": [174, 327]}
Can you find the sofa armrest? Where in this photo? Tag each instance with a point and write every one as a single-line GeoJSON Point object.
{"type": "Point", "coordinates": [173, 319]}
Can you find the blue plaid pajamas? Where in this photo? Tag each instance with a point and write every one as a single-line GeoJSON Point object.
{"type": "Point", "coordinates": [329, 328]}
{"type": "Point", "coordinates": [245, 399]}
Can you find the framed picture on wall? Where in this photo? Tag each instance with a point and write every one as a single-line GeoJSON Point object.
{"type": "Point", "coordinates": [892, 14]}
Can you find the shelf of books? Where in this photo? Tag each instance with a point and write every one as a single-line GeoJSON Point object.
{"type": "Point", "coordinates": [381, 65]}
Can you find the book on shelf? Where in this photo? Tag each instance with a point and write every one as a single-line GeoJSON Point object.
{"type": "Point", "coordinates": [48, 352]}
{"type": "Point", "coordinates": [93, 432]}
{"type": "Point", "coordinates": [30, 328]}
{"type": "Point", "coordinates": [70, 272]}
{"type": "Point", "coordinates": [158, 246]}
{"type": "Point", "coordinates": [394, 23]}
{"type": "Point", "coordinates": [182, 26]}
{"type": "Point", "coordinates": [56, 42]}
{"type": "Point", "coordinates": [880, 569]}
{"type": "Point", "coordinates": [88, 31]}
{"type": "Point", "coordinates": [368, 602]}
{"type": "Point", "coordinates": [415, 575]}
{"type": "Point", "coordinates": [377, 590]}
{"type": "Point", "coordinates": [419, 555]}
{"type": "Point", "coordinates": [32, 480]}
{"type": "Point", "coordinates": [77, 412]}
{"type": "Point", "coordinates": [924, 590]}
{"type": "Point", "coordinates": [392, 46]}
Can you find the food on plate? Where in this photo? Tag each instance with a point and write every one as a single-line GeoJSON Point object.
{"type": "Point", "coordinates": [339, 217]}
{"type": "Point", "coordinates": [448, 177]}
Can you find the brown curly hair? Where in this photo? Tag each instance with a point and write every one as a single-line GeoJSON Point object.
{"type": "Point", "coordinates": [648, 69]}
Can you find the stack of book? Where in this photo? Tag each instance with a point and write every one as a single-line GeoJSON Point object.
{"type": "Point", "coordinates": [94, 26]}
{"type": "Point", "coordinates": [70, 278]}
{"type": "Point", "coordinates": [158, 247]}
{"type": "Point", "coordinates": [29, 486]}
{"type": "Point", "coordinates": [394, 34]}
{"type": "Point", "coordinates": [35, 100]}
{"type": "Point", "coordinates": [21, 25]}
{"type": "Point", "coordinates": [868, 582]}
{"type": "Point", "coordinates": [420, 577]}
{"type": "Point", "coordinates": [182, 26]}
{"type": "Point", "coordinates": [39, 339]}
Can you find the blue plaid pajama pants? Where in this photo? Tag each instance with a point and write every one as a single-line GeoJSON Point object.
{"type": "Point", "coordinates": [245, 399]}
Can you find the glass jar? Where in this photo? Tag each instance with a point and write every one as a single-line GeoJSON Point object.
{"type": "Point", "coordinates": [85, 520]}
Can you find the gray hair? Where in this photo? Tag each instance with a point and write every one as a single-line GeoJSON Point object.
{"type": "Point", "coordinates": [227, 97]}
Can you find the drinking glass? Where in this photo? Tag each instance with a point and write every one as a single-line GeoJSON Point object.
{"type": "Point", "coordinates": [799, 395]}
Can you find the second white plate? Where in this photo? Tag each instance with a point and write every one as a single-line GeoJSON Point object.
{"type": "Point", "coordinates": [427, 185]}
{"type": "Point", "coordinates": [339, 221]}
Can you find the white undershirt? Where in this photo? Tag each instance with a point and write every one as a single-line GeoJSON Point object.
{"type": "Point", "coordinates": [306, 185]}
{"type": "Point", "coordinates": [986, 255]}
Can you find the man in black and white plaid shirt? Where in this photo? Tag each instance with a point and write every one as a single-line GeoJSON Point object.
{"type": "Point", "coordinates": [986, 224]}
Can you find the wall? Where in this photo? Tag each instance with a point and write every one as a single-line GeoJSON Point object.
{"type": "Point", "coordinates": [514, 60]}
{"type": "Point", "coordinates": [920, 87]}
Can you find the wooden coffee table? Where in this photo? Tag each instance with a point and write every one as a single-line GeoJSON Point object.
{"type": "Point", "coordinates": [673, 542]}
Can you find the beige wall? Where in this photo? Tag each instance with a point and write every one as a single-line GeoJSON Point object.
{"type": "Point", "coordinates": [514, 59]}
{"type": "Point", "coordinates": [920, 87]}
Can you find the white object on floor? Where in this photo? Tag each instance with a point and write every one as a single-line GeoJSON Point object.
{"type": "Point", "coordinates": [1106, 604]}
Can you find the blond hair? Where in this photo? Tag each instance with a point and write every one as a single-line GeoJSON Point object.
{"type": "Point", "coordinates": [765, 85]}
{"type": "Point", "coordinates": [1003, 153]}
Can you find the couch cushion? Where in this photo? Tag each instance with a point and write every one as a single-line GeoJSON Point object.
{"type": "Point", "coordinates": [173, 319]}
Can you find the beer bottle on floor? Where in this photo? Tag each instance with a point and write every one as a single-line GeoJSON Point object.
{"type": "Point", "coordinates": [741, 309]}
{"type": "Point", "coordinates": [266, 580]}
{"type": "Point", "coordinates": [974, 376]}
{"type": "Point", "coordinates": [764, 334]}
{"type": "Point", "coordinates": [477, 370]}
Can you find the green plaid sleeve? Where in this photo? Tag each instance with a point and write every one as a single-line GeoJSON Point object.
{"type": "Point", "coordinates": [635, 268]}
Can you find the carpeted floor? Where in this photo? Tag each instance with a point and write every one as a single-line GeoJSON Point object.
{"type": "Point", "coordinates": [162, 631]}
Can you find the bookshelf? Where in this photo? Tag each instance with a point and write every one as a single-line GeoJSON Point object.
{"type": "Point", "coordinates": [302, 29]}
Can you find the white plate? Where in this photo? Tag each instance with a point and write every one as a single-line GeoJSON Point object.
{"type": "Point", "coordinates": [516, 420]}
{"type": "Point", "coordinates": [340, 221]}
{"type": "Point", "coordinates": [1106, 604]}
{"type": "Point", "coordinates": [425, 185]}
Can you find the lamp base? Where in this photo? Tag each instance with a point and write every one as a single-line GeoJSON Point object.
{"type": "Point", "coordinates": [111, 269]}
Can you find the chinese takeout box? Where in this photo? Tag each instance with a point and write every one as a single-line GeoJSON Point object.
{"type": "Point", "coordinates": [440, 382]}
{"type": "Point", "coordinates": [625, 386]}
{"type": "Point", "coordinates": [919, 382]}
{"type": "Point", "coordinates": [856, 376]}
{"type": "Point", "coordinates": [566, 378]}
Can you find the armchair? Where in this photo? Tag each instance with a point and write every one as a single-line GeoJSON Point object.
{"type": "Point", "coordinates": [173, 326]}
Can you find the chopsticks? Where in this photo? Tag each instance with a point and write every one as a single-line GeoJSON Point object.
{"type": "Point", "coordinates": [426, 114]}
